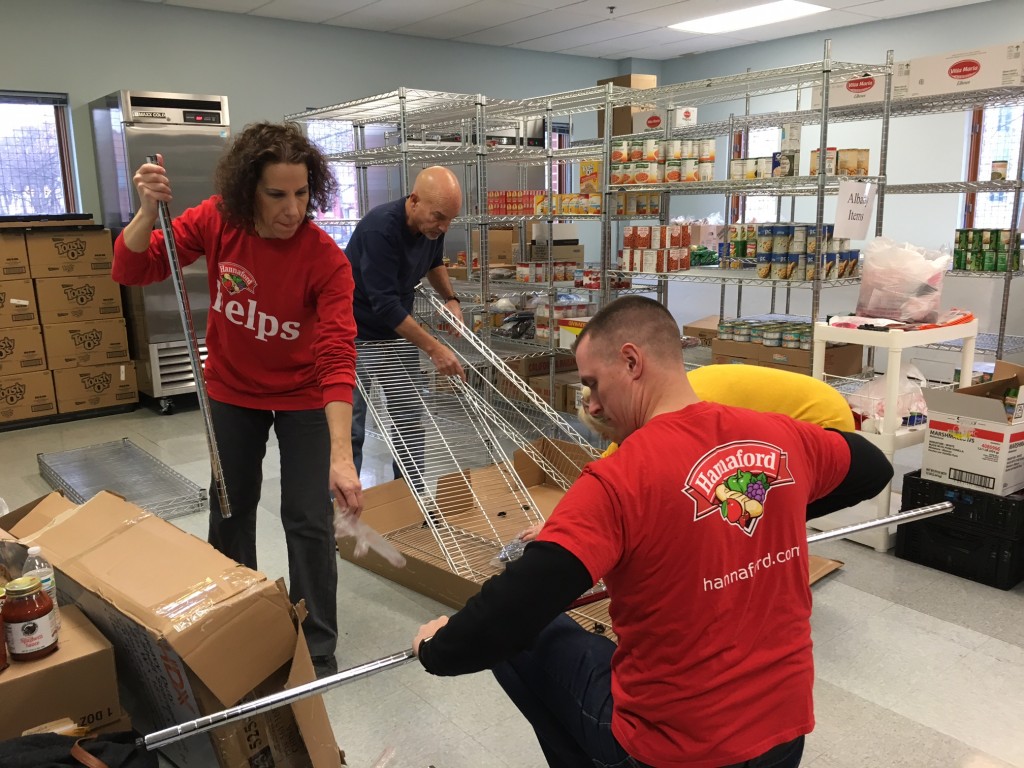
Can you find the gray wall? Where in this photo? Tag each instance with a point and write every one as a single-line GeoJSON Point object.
{"type": "Point", "coordinates": [266, 67]}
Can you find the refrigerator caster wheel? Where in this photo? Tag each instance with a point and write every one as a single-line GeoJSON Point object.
{"type": "Point", "coordinates": [166, 406]}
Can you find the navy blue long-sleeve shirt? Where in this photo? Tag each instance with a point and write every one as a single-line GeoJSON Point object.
{"type": "Point", "coordinates": [388, 262]}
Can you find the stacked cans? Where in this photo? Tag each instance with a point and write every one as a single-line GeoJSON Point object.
{"type": "Point", "coordinates": [655, 161]}
{"type": "Point", "coordinates": [788, 251]}
{"type": "Point", "coordinates": [986, 250]}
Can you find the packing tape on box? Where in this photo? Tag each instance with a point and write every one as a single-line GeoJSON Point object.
{"type": "Point", "coordinates": [193, 604]}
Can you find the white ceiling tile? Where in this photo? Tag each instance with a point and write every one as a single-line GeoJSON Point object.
{"type": "Point", "coordinates": [224, 6]}
{"type": "Point", "coordinates": [592, 33]}
{"type": "Point", "coordinates": [388, 15]}
{"type": "Point", "coordinates": [314, 11]}
{"type": "Point", "coordinates": [625, 8]}
{"type": "Point", "coordinates": [472, 18]}
{"type": "Point", "coordinates": [888, 9]}
{"type": "Point", "coordinates": [550, 5]}
{"type": "Point", "coordinates": [530, 28]}
{"type": "Point", "coordinates": [698, 44]}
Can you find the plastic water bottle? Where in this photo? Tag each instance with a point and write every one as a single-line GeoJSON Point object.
{"type": "Point", "coordinates": [38, 566]}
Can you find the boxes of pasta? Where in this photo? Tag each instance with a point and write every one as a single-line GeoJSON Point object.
{"type": "Point", "coordinates": [95, 386]}
{"type": "Point", "coordinates": [21, 349]}
{"type": "Point", "coordinates": [183, 634]}
{"type": "Point", "coordinates": [89, 342]}
{"type": "Point", "coordinates": [26, 396]}
{"type": "Point", "coordinates": [13, 256]}
{"type": "Point", "coordinates": [74, 298]}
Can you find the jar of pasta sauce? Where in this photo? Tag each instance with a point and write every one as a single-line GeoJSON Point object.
{"type": "Point", "coordinates": [30, 626]}
{"type": "Point", "coordinates": [3, 645]}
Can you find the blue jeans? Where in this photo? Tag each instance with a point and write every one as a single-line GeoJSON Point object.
{"type": "Point", "coordinates": [562, 685]}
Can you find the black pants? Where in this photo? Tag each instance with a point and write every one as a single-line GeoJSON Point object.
{"type": "Point", "coordinates": [306, 514]}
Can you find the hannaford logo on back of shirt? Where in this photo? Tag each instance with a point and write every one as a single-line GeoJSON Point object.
{"type": "Point", "coordinates": [235, 279]}
{"type": "Point", "coordinates": [734, 479]}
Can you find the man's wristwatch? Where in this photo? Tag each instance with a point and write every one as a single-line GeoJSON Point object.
{"type": "Point", "coordinates": [452, 298]}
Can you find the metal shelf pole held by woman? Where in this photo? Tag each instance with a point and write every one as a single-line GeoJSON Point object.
{"type": "Point", "coordinates": [178, 279]}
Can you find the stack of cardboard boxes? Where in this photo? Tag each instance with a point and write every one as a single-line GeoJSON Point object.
{"type": "Point", "coordinates": [63, 341]}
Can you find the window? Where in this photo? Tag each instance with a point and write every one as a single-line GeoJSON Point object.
{"type": "Point", "coordinates": [334, 136]}
{"type": "Point", "coordinates": [762, 142]}
{"type": "Point", "coordinates": [1000, 141]}
{"type": "Point", "coordinates": [36, 176]}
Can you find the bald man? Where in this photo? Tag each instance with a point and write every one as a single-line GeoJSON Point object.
{"type": "Point", "coordinates": [393, 248]}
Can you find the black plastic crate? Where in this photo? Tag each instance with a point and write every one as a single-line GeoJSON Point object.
{"type": "Point", "coordinates": [979, 511]}
{"type": "Point", "coordinates": [954, 548]}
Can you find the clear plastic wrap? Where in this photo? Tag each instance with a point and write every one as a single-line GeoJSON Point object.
{"type": "Point", "coordinates": [868, 402]}
{"type": "Point", "coordinates": [346, 524]}
{"type": "Point", "coordinates": [901, 281]}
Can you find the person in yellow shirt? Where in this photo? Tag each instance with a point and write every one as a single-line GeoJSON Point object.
{"type": "Point", "coordinates": [768, 390]}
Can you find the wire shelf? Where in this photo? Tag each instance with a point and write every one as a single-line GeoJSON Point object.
{"type": "Point", "coordinates": [972, 275]}
{"type": "Point", "coordinates": [717, 275]}
{"type": "Point", "coordinates": [783, 186]}
{"type": "Point", "coordinates": [125, 469]}
{"type": "Point", "coordinates": [944, 187]}
{"type": "Point", "coordinates": [985, 344]}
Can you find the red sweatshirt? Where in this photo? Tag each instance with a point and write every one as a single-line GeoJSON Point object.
{"type": "Point", "coordinates": [280, 333]}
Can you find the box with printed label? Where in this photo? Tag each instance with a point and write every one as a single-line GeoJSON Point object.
{"type": "Point", "coordinates": [976, 435]}
{"type": "Point", "coordinates": [13, 256]}
{"type": "Point", "coordinates": [95, 386]}
{"type": "Point", "coordinates": [18, 303]}
{"type": "Point", "coordinates": [77, 252]}
{"type": "Point", "coordinates": [89, 342]}
{"type": "Point", "coordinates": [78, 681]}
{"type": "Point", "coordinates": [21, 349]}
{"type": "Point", "coordinates": [994, 66]}
{"type": "Point", "coordinates": [845, 360]}
{"type": "Point", "coordinates": [656, 120]}
{"type": "Point", "coordinates": [26, 396]}
{"type": "Point", "coordinates": [705, 329]}
{"type": "Point", "coordinates": [868, 88]}
{"type": "Point", "coordinates": [86, 297]}
{"type": "Point", "coordinates": [182, 619]}
{"type": "Point", "coordinates": [622, 117]}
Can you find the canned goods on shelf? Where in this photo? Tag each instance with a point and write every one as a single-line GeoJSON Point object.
{"type": "Point", "coordinates": [725, 331]}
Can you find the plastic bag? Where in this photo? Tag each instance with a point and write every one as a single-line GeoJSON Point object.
{"type": "Point", "coordinates": [868, 402]}
{"type": "Point", "coordinates": [901, 281]}
{"type": "Point", "coordinates": [346, 524]}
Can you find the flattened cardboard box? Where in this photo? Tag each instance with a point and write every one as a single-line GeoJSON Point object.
{"type": "Point", "coordinates": [21, 350]}
{"type": "Point", "coordinates": [74, 252]}
{"type": "Point", "coordinates": [68, 299]}
{"type": "Point", "coordinates": [18, 303]}
{"type": "Point", "coordinates": [390, 507]}
{"type": "Point", "coordinates": [26, 396]}
{"type": "Point", "coordinates": [88, 342]}
{"type": "Point", "coordinates": [182, 618]}
{"type": "Point", "coordinates": [13, 256]}
{"type": "Point", "coordinates": [77, 681]}
{"type": "Point", "coordinates": [95, 386]}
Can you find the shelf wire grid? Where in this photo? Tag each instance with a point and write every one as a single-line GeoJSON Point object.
{"type": "Point", "coordinates": [455, 441]}
{"type": "Point", "coordinates": [122, 467]}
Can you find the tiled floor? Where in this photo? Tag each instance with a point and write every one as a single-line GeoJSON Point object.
{"type": "Point", "coordinates": [914, 667]}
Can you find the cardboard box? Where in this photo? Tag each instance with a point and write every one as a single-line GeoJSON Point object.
{"type": "Point", "coordinates": [78, 252]}
{"type": "Point", "coordinates": [13, 256]}
{"type": "Point", "coordinates": [993, 66]}
{"type": "Point", "coordinates": [622, 117]}
{"type": "Point", "coordinates": [68, 299]}
{"type": "Point", "coordinates": [89, 342]}
{"type": "Point", "coordinates": [563, 381]}
{"type": "Point", "coordinates": [525, 367]}
{"type": "Point", "coordinates": [18, 303]}
{"type": "Point", "coordinates": [33, 220]}
{"type": "Point", "coordinates": [182, 618]}
{"type": "Point", "coordinates": [655, 120]}
{"type": "Point", "coordinates": [95, 386]}
{"type": "Point", "coordinates": [847, 360]}
{"type": "Point", "coordinates": [26, 396]}
{"type": "Point", "coordinates": [972, 441]}
{"type": "Point", "coordinates": [866, 89]}
{"type": "Point", "coordinates": [560, 234]}
{"type": "Point", "coordinates": [705, 329]}
{"type": "Point", "coordinates": [77, 681]}
{"type": "Point", "coordinates": [573, 253]}
{"type": "Point", "coordinates": [21, 349]}
{"type": "Point", "coordinates": [501, 244]}
{"type": "Point", "coordinates": [726, 351]}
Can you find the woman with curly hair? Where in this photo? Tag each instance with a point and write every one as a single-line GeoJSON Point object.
{"type": "Point", "coordinates": [280, 344]}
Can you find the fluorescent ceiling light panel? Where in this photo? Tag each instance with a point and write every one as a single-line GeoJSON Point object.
{"type": "Point", "coordinates": [745, 18]}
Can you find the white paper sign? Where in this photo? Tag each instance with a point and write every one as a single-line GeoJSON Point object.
{"type": "Point", "coordinates": [853, 213]}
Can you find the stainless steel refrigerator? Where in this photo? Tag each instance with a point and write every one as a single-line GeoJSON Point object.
{"type": "Point", "coordinates": [190, 131]}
